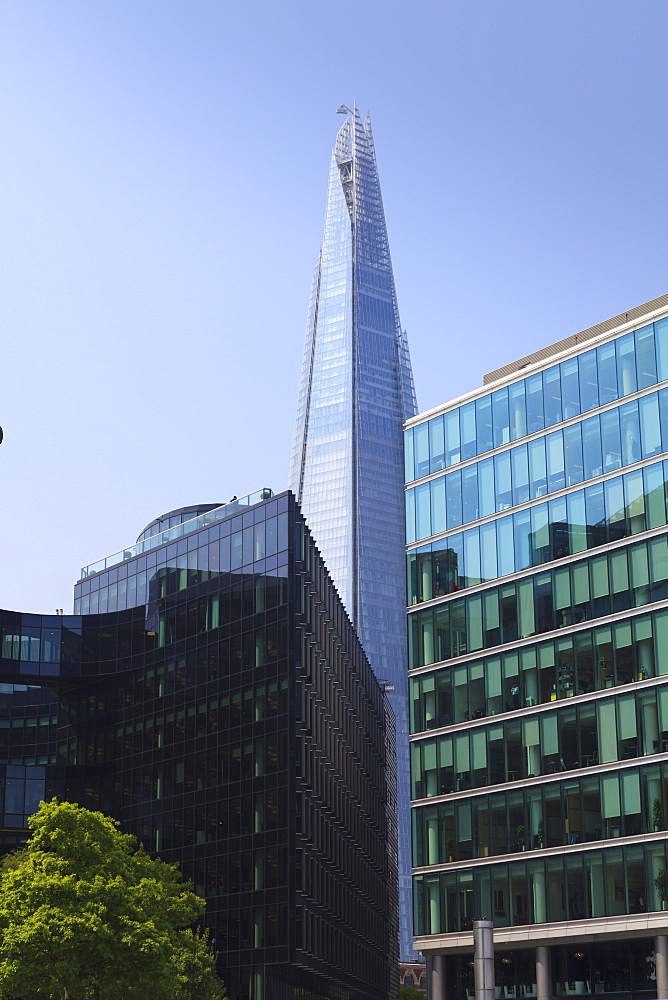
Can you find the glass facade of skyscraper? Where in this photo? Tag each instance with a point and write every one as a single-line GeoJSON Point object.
{"type": "Point", "coordinates": [347, 462]}
{"type": "Point", "coordinates": [537, 511]}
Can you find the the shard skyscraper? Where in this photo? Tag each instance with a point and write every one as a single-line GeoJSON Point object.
{"type": "Point", "coordinates": [347, 462]}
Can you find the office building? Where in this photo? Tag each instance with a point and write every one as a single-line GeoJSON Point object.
{"type": "Point", "coordinates": [211, 694]}
{"type": "Point", "coordinates": [538, 643]}
{"type": "Point", "coordinates": [347, 461]}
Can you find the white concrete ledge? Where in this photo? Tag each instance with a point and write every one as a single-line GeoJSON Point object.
{"type": "Point", "coordinates": [598, 929]}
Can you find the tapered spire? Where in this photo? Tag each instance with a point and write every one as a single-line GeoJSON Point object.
{"type": "Point", "coordinates": [356, 392]}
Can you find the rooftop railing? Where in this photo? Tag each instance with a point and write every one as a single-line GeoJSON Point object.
{"type": "Point", "coordinates": [178, 531]}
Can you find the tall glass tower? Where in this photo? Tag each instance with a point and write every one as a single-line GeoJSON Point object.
{"type": "Point", "coordinates": [347, 460]}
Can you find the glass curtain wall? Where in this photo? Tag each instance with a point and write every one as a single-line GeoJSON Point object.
{"type": "Point", "coordinates": [539, 696]}
{"type": "Point", "coordinates": [347, 460]}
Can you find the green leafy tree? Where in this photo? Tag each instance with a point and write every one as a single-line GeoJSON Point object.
{"type": "Point", "coordinates": [85, 915]}
{"type": "Point", "coordinates": [411, 993]}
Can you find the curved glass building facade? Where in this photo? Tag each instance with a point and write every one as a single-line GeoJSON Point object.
{"type": "Point", "coordinates": [347, 461]}
{"type": "Point", "coordinates": [213, 697]}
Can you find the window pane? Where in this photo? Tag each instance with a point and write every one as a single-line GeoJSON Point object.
{"type": "Point", "coordinates": [607, 373]}
{"type": "Point", "coordinates": [488, 551]}
{"type": "Point", "coordinates": [467, 423]}
{"type": "Point", "coordinates": [645, 357]}
{"type": "Point", "coordinates": [410, 516]}
{"type": "Point", "coordinates": [611, 440]}
{"type": "Point", "coordinates": [501, 417]}
{"type": "Point", "coordinates": [573, 454]}
{"type": "Point", "coordinates": [518, 417]}
{"type": "Point", "coordinates": [520, 466]}
{"type": "Point", "coordinates": [626, 366]}
{"type": "Point", "coordinates": [655, 499]}
{"type": "Point", "coordinates": [615, 508]}
{"type": "Point", "coordinates": [534, 400]}
{"type": "Point", "coordinates": [570, 393]}
{"type": "Point", "coordinates": [537, 469]}
{"type": "Point", "coordinates": [522, 539]}
{"type": "Point", "coordinates": [470, 494]}
{"type": "Point", "coordinates": [484, 424]}
{"type": "Point", "coordinates": [504, 492]}
{"type": "Point", "coordinates": [556, 470]}
{"type": "Point", "coordinates": [630, 430]}
{"type": "Point", "coordinates": [650, 425]}
{"type": "Point", "coordinates": [661, 341]}
{"type": "Point", "coordinates": [423, 510]}
{"type": "Point", "coordinates": [552, 395]}
{"type": "Point", "coordinates": [591, 447]}
{"type": "Point", "coordinates": [588, 380]}
{"type": "Point", "coordinates": [486, 503]}
{"type": "Point", "coordinates": [505, 548]}
{"type": "Point", "coordinates": [438, 521]}
{"type": "Point", "coordinates": [577, 522]}
{"type": "Point", "coordinates": [472, 556]}
{"type": "Point", "coordinates": [452, 448]}
{"type": "Point", "coordinates": [436, 444]}
{"type": "Point", "coordinates": [421, 439]}
{"type": "Point", "coordinates": [409, 455]}
{"type": "Point", "coordinates": [453, 504]}
{"type": "Point", "coordinates": [607, 732]}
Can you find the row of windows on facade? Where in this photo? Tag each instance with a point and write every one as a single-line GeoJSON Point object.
{"type": "Point", "coordinates": [616, 581]}
{"type": "Point", "coordinates": [217, 550]}
{"type": "Point", "coordinates": [135, 635]}
{"type": "Point", "coordinates": [579, 663]}
{"type": "Point", "coordinates": [194, 519]}
{"type": "Point", "coordinates": [219, 705]}
{"type": "Point", "coordinates": [584, 519]}
{"type": "Point", "coordinates": [165, 729]}
{"type": "Point", "coordinates": [616, 369]}
{"type": "Point", "coordinates": [27, 722]}
{"type": "Point", "coordinates": [254, 869]}
{"type": "Point", "coordinates": [263, 813]}
{"type": "Point", "coordinates": [625, 803]}
{"type": "Point", "coordinates": [570, 737]}
{"type": "Point", "coordinates": [263, 927]}
{"type": "Point", "coordinates": [577, 969]}
{"type": "Point", "coordinates": [151, 585]}
{"type": "Point", "coordinates": [574, 454]}
{"type": "Point", "coordinates": [575, 885]}
{"type": "Point", "coordinates": [181, 539]}
{"type": "Point", "coordinates": [22, 789]}
{"type": "Point", "coordinates": [252, 647]}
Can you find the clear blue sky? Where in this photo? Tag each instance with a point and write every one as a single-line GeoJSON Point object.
{"type": "Point", "coordinates": [163, 169]}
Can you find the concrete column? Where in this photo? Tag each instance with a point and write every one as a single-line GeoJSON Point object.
{"type": "Point", "coordinates": [436, 977]}
{"type": "Point", "coordinates": [543, 973]}
{"type": "Point", "coordinates": [661, 959]}
{"type": "Point", "coordinates": [483, 959]}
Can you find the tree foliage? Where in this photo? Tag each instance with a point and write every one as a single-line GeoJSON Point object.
{"type": "Point", "coordinates": [84, 915]}
{"type": "Point", "coordinates": [411, 993]}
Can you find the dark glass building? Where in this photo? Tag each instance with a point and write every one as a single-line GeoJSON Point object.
{"type": "Point", "coordinates": [212, 695]}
